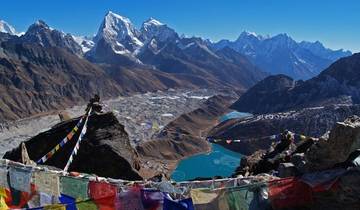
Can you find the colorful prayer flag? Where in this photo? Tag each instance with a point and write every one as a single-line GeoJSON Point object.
{"type": "Point", "coordinates": [20, 179]}
{"type": "Point", "coordinates": [55, 207]}
{"type": "Point", "coordinates": [185, 204]}
{"type": "Point", "coordinates": [68, 201]}
{"type": "Point", "coordinates": [86, 205]}
{"type": "Point", "coordinates": [205, 199]}
{"type": "Point", "coordinates": [288, 193]}
{"type": "Point", "coordinates": [47, 182]}
{"type": "Point", "coordinates": [103, 194]}
{"type": "Point", "coordinates": [3, 178]}
{"type": "Point", "coordinates": [152, 199]}
{"type": "Point", "coordinates": [3, 204]}
{"type": "Point", "coordinates": [129, 199]}
{"type": "Point", "coordinates": [74, 187]}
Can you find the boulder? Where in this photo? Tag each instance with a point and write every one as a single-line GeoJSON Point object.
{"type": "Point", "coordinates": [342, 140]}
{"type": "Point", "coordinates": [281, 158]}
{"type": "Point", "coordinates": [287, 170]}
{"type": "Point", "coordinates": [338, 148]}
{"type": "Point", "coordinates": [104, 151]}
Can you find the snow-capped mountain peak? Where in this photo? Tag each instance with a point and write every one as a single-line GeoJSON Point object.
{"type": "Point", "coordinates": [119, 28]}
{"type": "Point", "coordinates": [252, 35]}
{"type": "Point", "coordinates": [44, 35]}
{"type": "Point", "coordinates": [319, 49]}
{"type": "Point", "coordinates": [280, 54]}
{"type": "Point", "coordinates": [153, 21]}
{"type": "Point", "coordinates": [119, 33]}
{"type": "Point", "coordinates": [6, 28]}
{"type": "Point", "coordinates": [153, 28]}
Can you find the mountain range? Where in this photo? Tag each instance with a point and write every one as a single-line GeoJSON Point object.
{"type": "Point", "coordinates": [281, 54]}
{"type": "Point", "coordinates": [45, 68]}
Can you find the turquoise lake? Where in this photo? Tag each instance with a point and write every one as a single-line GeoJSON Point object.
{"type": "Point", "coordinates": [219, 162]}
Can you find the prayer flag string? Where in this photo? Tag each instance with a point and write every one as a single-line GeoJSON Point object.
{"type": "Point", "coordinates": [77, 145]}
{"type": "Point", "coordinates": [273, 137]}
{"type": "Point", "coordinates": [67, 138]}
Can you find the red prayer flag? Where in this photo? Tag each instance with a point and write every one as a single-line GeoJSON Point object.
{"type": "Point", "coordinates": [21, 198]}
{"type": "Point", "coordinates": [103, 194]}
{"type": "Point", "coordinates": [289, 192]}
{"type": "Point", "coordinates": [70, 135]}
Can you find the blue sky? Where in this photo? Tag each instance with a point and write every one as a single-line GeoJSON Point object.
{"type": "Point", "coordinates": [336, 23]}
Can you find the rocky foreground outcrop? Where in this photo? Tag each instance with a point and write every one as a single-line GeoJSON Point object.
{"type": "Point", "coordinates": [255, 132]}
{"type": "Point", "coordinates": [337, 149]}
{"type": "Point", "coordinates": [104, 151]}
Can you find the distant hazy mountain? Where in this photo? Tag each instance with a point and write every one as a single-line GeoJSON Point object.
{"type": "Point", "coordinates": [338, 84]}
{"type": "Point", "coordinates": [318, 48]}
{"type": "Point", "coordinates": [280, 54]}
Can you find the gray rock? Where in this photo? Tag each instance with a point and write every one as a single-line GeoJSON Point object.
{"type": "Point", "coordinates": [343, 139]}
{"type": "Point", "coordinates": [286, 170]}
{"type": "Point", "coordinates": [299, 161]}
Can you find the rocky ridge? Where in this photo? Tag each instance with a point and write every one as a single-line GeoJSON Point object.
{"type": "Point", "coordinates": [337, 149]}
{"type": "Point", "coordinates": [337, 84]}
{"type": "Point", "coordinates": [256, 132]}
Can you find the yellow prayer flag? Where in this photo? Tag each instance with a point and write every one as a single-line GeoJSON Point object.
{"type": "Point", "coordinates": [155, 126]}
{"type": "Point", "coordinates": [2, 192]}
{"type": "Point", "coordinates": [3, 205]}
{"type": "Point", "coordinates": [55, 207]}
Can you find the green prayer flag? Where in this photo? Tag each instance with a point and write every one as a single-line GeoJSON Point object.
{"type": "Point", "coordinates": [239, 199]}
{"type": "Point", "coordinates": [74, 187]}
{"type": "Point", "coordinates": [86, 205]}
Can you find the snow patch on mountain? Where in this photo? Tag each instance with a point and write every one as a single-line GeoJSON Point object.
{"type": "Point", "coordinates": [153, 21]}
{"type": "Point", "coordinates": [86, 43]}
{"type": "Point", "coordinates": [7, 28]}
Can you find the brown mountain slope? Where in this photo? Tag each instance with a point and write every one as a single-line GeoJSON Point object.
{"type": "Point", "coordinates": [187, 131]}
{"type": "Point", "coordinates": [35, 79]}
